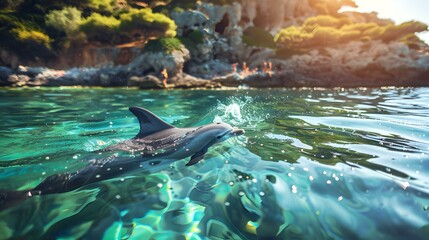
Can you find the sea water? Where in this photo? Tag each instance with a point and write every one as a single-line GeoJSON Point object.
{"type": "Point", "coordinates": [313, 164]}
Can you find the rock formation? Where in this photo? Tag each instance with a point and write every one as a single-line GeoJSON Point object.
{"type": "Point", "coordinates": [220, 44]}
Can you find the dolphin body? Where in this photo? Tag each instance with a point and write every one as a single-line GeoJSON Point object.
{"type": "Point", "coordinates": [158, 144]}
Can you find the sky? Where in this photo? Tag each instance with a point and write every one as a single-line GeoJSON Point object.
{"type": "Point", "coordinates": [398, 10]}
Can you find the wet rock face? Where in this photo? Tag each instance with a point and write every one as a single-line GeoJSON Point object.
{"type": "Point", "coordinates": [146, 82]}
{"type": "Point", "coordinates": [155, 62]}
{"type": "Point", "coordinates": [190, 20]}
{"type": "Point", "coordinates": [209, 70]}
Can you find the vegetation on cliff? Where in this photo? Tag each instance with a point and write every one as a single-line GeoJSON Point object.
{"type": "Point", "coordinates": [44, 28]}
{"type": "Point", "coordinates": [47, 27]}
{"type": "Point", "coordinates": [328, 31]}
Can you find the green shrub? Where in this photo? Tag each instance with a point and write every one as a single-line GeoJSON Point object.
{"type": "Point", "coordinates": [396, 32]}
{"type": "Point", "coordinates": [100, 28]}
{"type": "Point", "coordinates": [292, 36]}
{"type": "Point", "coordinates": [220, 2]}
{"type": "Point", "coordinates": [10, 4]}
{"type": "Point", "coordinates": [67, 20]}
{"type": "Point", "coordinates": [326, 35]}
{"type": "Point", "coordinates": [192, 39]}
{"type": "Point", "coordinates": [164, 44]}
{"type": "Point", "coordinates": [10, 20]}
{"type": "Point", "coordinates": [145, 19]}
{"type": "Point", "coordinates": [258, 37]}
{"type": "Point", "coordinates": [105, 6]}
{"type": "Point", "coordinates": [32, 38]}
{"type": "Point", "coordinates": [196, 37]}
{"type": "Point", "coordinates": [323, 31]}
{"type": "Point", "coordinates": [358, 27]}
{"type": "Point", "coordinates": [326, 21]}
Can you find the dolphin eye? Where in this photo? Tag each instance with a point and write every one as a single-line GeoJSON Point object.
{"type": "Point", "coordinates": [219, 137]}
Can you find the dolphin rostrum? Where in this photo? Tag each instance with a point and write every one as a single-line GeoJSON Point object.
{"type": "Point", "coordinates": [157, 144]}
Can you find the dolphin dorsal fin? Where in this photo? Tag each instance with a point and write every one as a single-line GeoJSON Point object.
{"type": "Point", "coordinates": [149, 122]}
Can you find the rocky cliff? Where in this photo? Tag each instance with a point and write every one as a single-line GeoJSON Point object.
{"type": "Point", "coordinates": [215, 49]}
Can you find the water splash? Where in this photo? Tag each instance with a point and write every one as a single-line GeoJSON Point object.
{"type": "Point", "coordinates": [238, 112]}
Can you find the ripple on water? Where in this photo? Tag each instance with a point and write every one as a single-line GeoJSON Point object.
{"type": "Point", "coordinates": [356, 159]}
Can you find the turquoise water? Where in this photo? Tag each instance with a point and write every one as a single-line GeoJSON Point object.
{"type": "Point", "coordinates": [313, 164]}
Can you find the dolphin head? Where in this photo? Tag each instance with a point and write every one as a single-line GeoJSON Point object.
{"type": "Point", "coordinates": [218, 132]}
{"type": "Point", "coordinates": [205, 136]}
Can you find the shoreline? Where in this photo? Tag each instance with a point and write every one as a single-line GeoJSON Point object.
{"type": "Point", "coordinates": [233, 80]}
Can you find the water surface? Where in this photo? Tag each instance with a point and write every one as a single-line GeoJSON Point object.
{"type": "Point", "coordinates": [313, 164]}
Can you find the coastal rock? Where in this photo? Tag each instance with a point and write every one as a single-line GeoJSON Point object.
{"type": "Point", "coordinates": [155, 62]}
{"type": "Point", "coordinates": [229, 80]}
{"type": "Point", "coordinates": [4, 75]}
{"type": "Point", "coordinates": [189, 20]}
{"type": "Point", "coordinates": [188, 81]}
{"type": "Point", "coordinates": [145, 82]}
{"type": "Point", "coordinates": [17, 80]}
{"type": "Point", "coordinates": [209, 70]}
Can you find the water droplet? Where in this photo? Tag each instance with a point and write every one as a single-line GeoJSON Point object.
{"type": "Point", "coordinates": [261, 194]}
{"type": "Point", "coordinates": [311, 178]}
{"type": "Point", "coordinates": [227, 204]}
{"type": "Point", "coordinates": [97, 176]}
{"type": "Point", "coordinates": [118, 196]}
{"type": "Point", "coordinates": [289, 174]}
{"type": "Point", "coordinates": [340, 198]}
{"type": "Point", "coordinates": [254, 180]}
{"type": "Point", "coordinates": [241, 193]}
{"type": "Point", "coordinates": [328, 182]}
{"type": "Point", "coordinates": [231, 183]}
{"type": "Point", "coordinates": [43, 173]}
{"type": "Point", "coordinates": [294, 189]}
{"type": "Point", "coordinates": [160, 185]}
{"type": "Point", "coordinates": [122, 179]}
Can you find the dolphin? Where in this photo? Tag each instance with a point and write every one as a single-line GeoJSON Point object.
{"type": "Point", "coordinates": [157, 144]}
{"type": "Point", "coordinates": [158, 139]}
